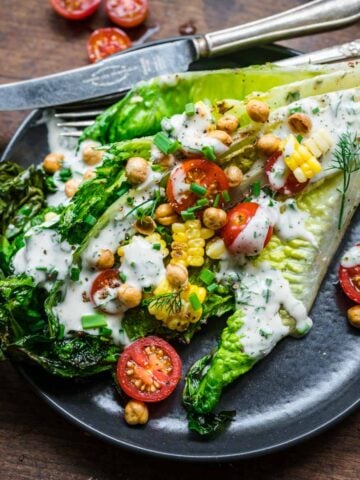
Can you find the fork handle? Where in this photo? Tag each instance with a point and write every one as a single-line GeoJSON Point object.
{"type": "Point", "coordinates": [312, 17]}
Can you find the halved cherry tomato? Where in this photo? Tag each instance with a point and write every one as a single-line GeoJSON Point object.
{"type": "Point", "coordinates": [149, 369]}
{"type": "Point", "coordinates": [350, 281]}
{"type": "Point", "coordinates": [127, 13]}
{"type": "Point", "coordinates": [200, 171]}
{"type": "Point", "coordinates": [291, 186]}
{"type": "Point", "coordinates": [103, 291]}
{"type": "Point", "coordinates": [238, 219]}
{"type": "Point", "coordinates": [106, 41]}
{"type": "Point", "coordinates": [75, 9]}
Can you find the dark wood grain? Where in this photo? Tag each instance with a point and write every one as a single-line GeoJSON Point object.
{"type": "Point", "coordinates": [36, 443]}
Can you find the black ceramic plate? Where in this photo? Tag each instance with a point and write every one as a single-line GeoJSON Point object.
{"type": "Point", "coordinates": [301, 388]}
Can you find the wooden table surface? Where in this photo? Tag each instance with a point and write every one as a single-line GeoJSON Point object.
{"type": "Point", "coordinates": [36, 443]}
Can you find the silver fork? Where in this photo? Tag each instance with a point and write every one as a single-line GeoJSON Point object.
{"type": "Point", "coordinates": [79, 119]}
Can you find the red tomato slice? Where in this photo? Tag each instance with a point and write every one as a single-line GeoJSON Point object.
{"type": "Point", "coordinates": [238, 219]}
{"type": "Point", "coordinates": [291, 186]}
{"type": "Point", "coordinates": [75, 9]}
{"type": "Point", "coordinates": [149, 369]}
{"type": "Point", "coordinates": [350, 281]}
{"type": "Point", "coordinates": [127, 13]}
{"type": "Point", "coordinates": [200, 171]}
{"type": "Point", "coordinates": [103, 291]}
{"type": "Point", "coordinates": [106, 41]}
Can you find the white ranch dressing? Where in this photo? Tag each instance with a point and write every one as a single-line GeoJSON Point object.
{"type": "Point", "coordinates": [351, 258]}
{"type": "Point", "coordinates": [278, 173]}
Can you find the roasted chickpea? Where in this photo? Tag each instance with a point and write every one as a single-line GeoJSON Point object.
{"type": "Point", "coordinates": [53, 162]}
{"type": "Point", "coordinates": [129, 295]}
{"type": "Point", "coordinates": [89, 174]}
{"type": "Point", "coordinates": [268, 144]}
{"type": "Point", "coordinates": [50, 216]}
{"type": "Point", "coordinates": [353, 315]}
{"type": "Point", "coordinates": [228, 122]}
{"type": "Point", "coordinates": [234, 175]}
{"type": "Point", "coordinates": [165, 214]}
{"type": "Point", "coordinates": [105, 259]}
{"type": "Point", "coordinates": [166, 161]}
{"type": "Point", "coordinates": [136, 413]}
{"type": "Point", "coordinates": [136, 170]}
{"type": "Point", "coordinates": [214, 218]}
{"type": "Point", "coordinates": [177, 274]}
{"type": "Point", "coordinates": [258, 111]}
{"type": "Point", "coordinates": [300, 123]}
{"type": "Point", "coordinates": [222, 136]}
{"type": "Point", "coordinates": [91, 155]}
{"type": "Point", "coordinates": [71, 187]}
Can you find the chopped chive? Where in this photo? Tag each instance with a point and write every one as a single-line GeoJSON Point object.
{"type": "Point", "coordinates": [166, 144]}
{"type": "Point", "coordinates": [295, 110]}
{"type": "Point", "coordinates": [132, 264]}
{"type": "Point", "coordinates": [202, 202]}
{"type": "Point", "coordinates": [217, 200]}
{"type": "Point", "coordinates": [299, 138]}
{"type": "Point", "coordinates": [75, 274]}
{"type": "Point", "coordinates": [211, 288]}
{"type": "Point", "coordinates": [190, 109]}
{"type": "Point", "coordinates": [194, 301]}
{"type": "Point", "coordinates": [61, 331]}
{"type": "Point", "coordinates": [198, 189]}
{"type": "Point", "coordinates": [90, 219]}
{"type": "Point", "coordinates": [226, 196]}
{"type": "Point", "coordinates": [256, 189]}
{"type": "Point", "coordinates": [187, 215]}
{"type": "Point", "coordinates": [122, 277]}
{"type": "Point", "coordinates": [156, 246]}
{"type": "Point", "coordinates": [209, 153]}
{"type": "Point", "coordinates": [315, 110]}
{"type": "Point", "coordinates": [65, 174]}
{"type": "Point", "coordinates": [206, 276]}
{"type": "Point", "coordinates": [195, 208]}
{"type": "Point", "coordinates": [95, 320]}
{"type": "Point", "coordinates": [105, 331]}
{"type": "Point", "coordinates": [41, 269]}
{"type": "Point", "coordinates": [130, 201]}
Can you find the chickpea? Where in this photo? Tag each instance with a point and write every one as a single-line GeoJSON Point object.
{"type": "Point", "coordinates": [177, 274]}
{"type": "Point", "coordinates": [167, 161]}
{"type": "Point", "coordinates": [50, 216]}
{"type": "Point", "coordinates": [71, 187]}
{"type": "Point", "coordinates": [105, 259]}
{"type": "Point", "coordinates": [268, 144]}
{"type": "Point", "coordinates": [145, 226]}
{"type": "Point", "coordinates": [234, 175]}
{"type": "Point", "coordinates": [258, 111]}
{"type": "Point", "coordinates": [353, 315]}
{"type": "Point", "coordinates": [165, 214]}
{"type": "Point", "coordinates": [89, 174]}
{"type": "Point", "coordinates": [214, 218]}
{"type": "Point", "coordinates": [53, 162]}
{"type": "Point", "coordinates": [136, 413]}
{"type": "Point", "coordinates": [136, 170]}
{"type": "Point", "coordinates": [228, 122]}
{"type": "Point", "coordinates": [129, 295]}
{"type": "Point", "coordinates": [300, 123]}
{"type": "Point", "coordinates": [222, 136]}
{"type": "Point", "coordinates": [91, 156]}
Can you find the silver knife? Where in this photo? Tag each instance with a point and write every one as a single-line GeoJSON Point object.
{"type": "Point", "coordinates": [120, 72]}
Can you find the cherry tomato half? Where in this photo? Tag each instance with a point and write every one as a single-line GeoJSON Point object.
{"type": "Point", "coordinates": [291, 186]}
{"type": "Point", "coordinates": [149, 369]}
{"type": "Point", "coordinates": [106, 41]}
{"type": "Point", "coordinates": [200, 171]}
{"type": "Point", "coordinates": [103, 291]}
{"type": "Point", "coordinates": [75, 9]}
{"type": "Point", "coordinates": [350, 281]}
{"type": "Point", "coordinates": [127, 13]}
{"type": "Point", "coordinates": [235, 235]}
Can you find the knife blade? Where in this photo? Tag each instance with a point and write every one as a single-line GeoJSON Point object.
{"type": "Point", "coordinates": [120, 72]}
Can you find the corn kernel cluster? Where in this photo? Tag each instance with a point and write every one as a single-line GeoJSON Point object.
{"type": "Point", "coordinates": [180, 320]}
{"type": "Point", "coordinates": [318, 143]}
{"type": "Point", "coordinates": [300, 160]}
{"type": "Point", "coordinates": [189, 242]}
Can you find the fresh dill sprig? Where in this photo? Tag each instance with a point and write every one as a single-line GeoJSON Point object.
{"type": "Point", "coordinates": [171, 302]}
{"type": "Point", "coordinates": [346, 159]}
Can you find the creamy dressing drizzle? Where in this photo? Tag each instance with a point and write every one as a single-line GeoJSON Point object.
{"type": "Point", "coordinates": [351, 257]}
{"type": "Point", "coordinates": [252, 239]}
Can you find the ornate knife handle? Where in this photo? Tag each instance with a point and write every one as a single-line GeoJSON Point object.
{"type": "Point", "coordinates": [312, 17]}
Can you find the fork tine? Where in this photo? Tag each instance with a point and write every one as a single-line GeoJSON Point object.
{"type": "Point", "coordinates": [83, 114]}
{"type": "Point", "coordinates": [80, 123]}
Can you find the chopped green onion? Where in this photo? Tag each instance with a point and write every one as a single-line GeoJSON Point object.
{"type": "Point", "coordinates": [299, 138]}
{"type": "Point", "coordinates": [195, 208]}
{"type": "Point", "coordinates": [202, 202]}
{"type": "Point", "coordinates": [315, 110]}
{"type": "Point", "coordinates": [156, 246]}
{"type": "Point", "coordinates": [186, 215]}
{"type": "Point", "coordinates": [75, 274]}
{"type": "Point", "coordinates": [206, 276]}
{"type": "Point", "coordinates": [41, 269]}
{"type": "Point", "coordinates": [166, 144]}
{"type": "Point", "coordinates": [125, 187]}
{"type": "Point", "coordinates": [209, 153]}
{"type": "Point", "coordinates": [226, 196]}
{"type": "Point", "coordinates": [61, 331]}
{"type": "Point", "coordinates": [90, 219]}
{"type": "Point", "coordinates": [211, 288]}
{"type": "Point", "coordinates": [95, 320]}
{"type": "Point", "coordinates": [105, 332]}
{"type": "Point", "coordinates": [198, 189]}
{"type": "Point", "coordinates": [217, 200]}
{"type": "Point", "coordinates": [65, 174]}
{"type": "Point", "coordinates": [122, 277]}
{"type": "Point", "coordinates": [194, 301]}
{"type": "Point", "coordinates": [256, 188]}
{"type": "Point", "coordinates": [295, 110]}
{"type": "Point", "coordinates": [190, 109]}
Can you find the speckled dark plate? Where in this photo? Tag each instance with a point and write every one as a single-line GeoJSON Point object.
{"type": "Point", "coordinates": [301, 388]}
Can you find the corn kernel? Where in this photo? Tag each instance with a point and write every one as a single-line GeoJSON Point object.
{"type": "Point", "coordinates": [206, 233]}
{"type": "Point", "coordinates": [215, 249]}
